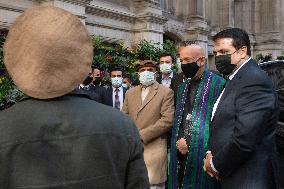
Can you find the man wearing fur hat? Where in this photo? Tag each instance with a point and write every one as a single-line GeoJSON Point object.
{"type": "Point", "coordinates": [56, 138]}
{"type": "Point", "coordinates": [151, 106]}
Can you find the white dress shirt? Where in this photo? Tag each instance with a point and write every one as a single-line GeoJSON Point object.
{"type": "Point", "coordinates": [167, 82]}
{"type": "Point", "coordinates": [220, 96]}
{"type": "Point", "coordinates": [120, 94]}
{"type": "Point", "coordinates": [217, 103]}
{"type": "Point", "coordinates": [144, 93]}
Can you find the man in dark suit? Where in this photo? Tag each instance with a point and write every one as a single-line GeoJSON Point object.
{"type": "Point", "coordinates": [114, 95]}
{"type": "Point", "coordinates": [167, 77]}
{"type": "Point", "coordinates": [242, 146]}
{"type": "Point", "coordinates": [56, 138]}
{"type": "Point", "coordinates": [92, 86]}
{"type": "Point", "coordinates": [95, 89]}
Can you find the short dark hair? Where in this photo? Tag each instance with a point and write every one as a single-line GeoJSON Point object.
{"type": "Point", "coordinates": [128, 78]}
{"type": "Point", "coordinates": [240, 38]}
{"type": "Point", "coordinates": [166, 54]}
{"type": "Point", "coordinates": [115, 68]}
{"type": "Point", "coordinates": [95, 67]}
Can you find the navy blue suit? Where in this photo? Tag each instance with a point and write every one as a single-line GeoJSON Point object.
{"type": "Point", "coordinates": [242, 131]}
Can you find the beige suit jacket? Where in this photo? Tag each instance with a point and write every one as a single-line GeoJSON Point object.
{"type": "Point", "coordinates": [153, 118]}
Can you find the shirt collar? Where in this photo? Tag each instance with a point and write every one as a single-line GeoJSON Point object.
{"type": "Point", "coordinates": [170, 77]}
{"type": "Point", "coordinates": [235, 72]}
{"type": "Point", "coordinates": [119, 88]}
{"type": "Point", "coordinates": [146, 87]}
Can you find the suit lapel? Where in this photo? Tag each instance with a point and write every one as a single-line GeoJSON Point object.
{"type": "Point", "coordinates": [159, 78]}
{"type": "Point", "coordinates": [153, 91]}
{"type": "Point", "coordinates": [232, 84]}
{"type": "Point", "coordinates": [136, 104]}
{"type": "Point", "coordinates": [235, 81]}
{"type": "Point", "coordinates": [228, 90]}
{"type": "Point", "coordinates": [224, 96]}
{"type": "Point", "coordinates": [172, 81]}
{"type": "Point", "coordinates": [124, 91]}
{"type": "Point", "coordinates": [110, 96]}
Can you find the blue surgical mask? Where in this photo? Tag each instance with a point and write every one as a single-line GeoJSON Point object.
{"type": "Point", "coordinates": [147, 78]}
{"type": "Point", "coordinates": [116, 81]}
{"type": "Point", "coordinates": [166, 68]}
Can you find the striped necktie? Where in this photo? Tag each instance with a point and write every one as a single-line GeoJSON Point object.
{"type": "Point", "coordinates": [116, 99]}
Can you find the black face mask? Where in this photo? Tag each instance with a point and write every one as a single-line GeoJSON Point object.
{"type": "Point", "coordinates": [88, 80]}
{"type": "Point", "coordinates": [223, 64]}
{"type": "Point", "coordinates": [189, 69]}
{"type": "Point", "coordinates": [97, 81]}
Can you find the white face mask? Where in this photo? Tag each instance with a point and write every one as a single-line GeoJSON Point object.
{"type": "Point", "coordinates": [147, 78]}
{"type": "Point", "coordinates": [116, 81]}
{"type": "Point", "coordinates": [166, 68]}
{"type": "Point", "coordinates": [125, 85]}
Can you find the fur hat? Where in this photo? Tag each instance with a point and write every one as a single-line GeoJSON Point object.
{"type": "Point", "coordinates": [48, 52]}
{"type": "Point", "coordinates": [145, 63]}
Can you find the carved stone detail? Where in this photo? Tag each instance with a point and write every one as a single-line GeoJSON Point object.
{"type": "Point", "coordinates": [132, 20]}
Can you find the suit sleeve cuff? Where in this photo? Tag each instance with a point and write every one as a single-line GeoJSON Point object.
{"type": "Point", "coordinates": [212, 166]}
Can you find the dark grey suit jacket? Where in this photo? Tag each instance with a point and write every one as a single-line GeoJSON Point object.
{"type": "Point", "coordinates": [69, 142]}
{"type": "Point", "coordinates": [242, 131]}
{"type": "Point", "coordinates": [108, 100]}
{"type": "Point", "coordinates": [176, 81]}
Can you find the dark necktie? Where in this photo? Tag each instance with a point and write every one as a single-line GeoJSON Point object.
{"type": "Point", "coordinates": [116, 99]}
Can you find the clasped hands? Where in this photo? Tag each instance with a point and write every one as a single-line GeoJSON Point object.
{"type": "Point", "coordinates": [207, 166]}
{"type": "Point", "coordinates": [183, 149]}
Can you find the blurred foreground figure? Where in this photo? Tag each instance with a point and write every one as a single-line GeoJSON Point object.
{"type": "Point", "coordinates": [57, 138]}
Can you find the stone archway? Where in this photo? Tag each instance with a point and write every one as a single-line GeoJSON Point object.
{"type": "Point", "coordinates": [175, 38]}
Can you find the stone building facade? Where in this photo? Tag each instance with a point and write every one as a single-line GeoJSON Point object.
{"type": "Point", "coordinates": [129, 21]}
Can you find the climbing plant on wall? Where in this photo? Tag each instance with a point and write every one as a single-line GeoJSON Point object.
{"type": "Point", "coordinates": [106, 56]}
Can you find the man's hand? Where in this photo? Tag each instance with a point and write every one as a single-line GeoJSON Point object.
{"type": "Point", "coordinates": [207, 167]}
{"type": "Point", "coordinates": [182, 146]}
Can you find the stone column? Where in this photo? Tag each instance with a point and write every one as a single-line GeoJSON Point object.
{"type": "Point", "coordinates": [197, 28]}
{"type": "Point", "coordinates": [149, 21]}
{"type": "Point", "coordinates": [170, 6]}
{"type": "Point", "coordinates": [77, 7]}
{"type": "Point", "coordinates": [200, 8]}
{"type": "Point", "coordinates": [231, 15]}
{"type": "Point", "coordinates": [267, 27]}
{"type": "Point", "coordinates": [282, 26]}
{"type": "Point", "coordinates": [112, 22]}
